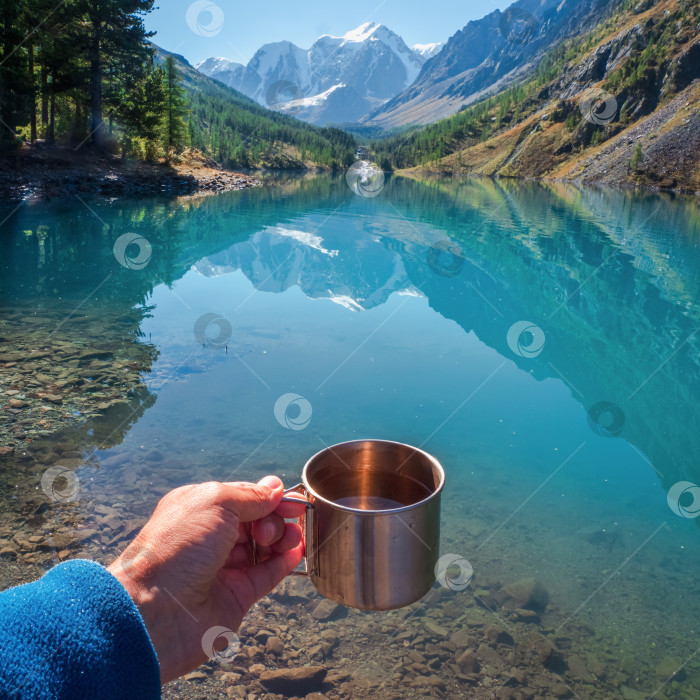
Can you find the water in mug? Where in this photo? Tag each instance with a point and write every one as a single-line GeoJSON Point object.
{"type": "Point", "coordinates": [371, 490]}
{"type": "Point", "coordinates": [368, 503]}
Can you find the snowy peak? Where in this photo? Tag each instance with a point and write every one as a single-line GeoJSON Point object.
{"type": "Point", "coordinates": [212, 66]}
{"type": "Point", "coordinates": [363, 32]}
{"type": "Point", "coordinates": [268, 57]}
{"type": "Point", "coordinates": [428, 50]}
{"type": "Point", "coordinates": [338, 79]}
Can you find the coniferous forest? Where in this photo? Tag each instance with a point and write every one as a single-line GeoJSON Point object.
{"type": "Point", "coordinates": [85, 73]}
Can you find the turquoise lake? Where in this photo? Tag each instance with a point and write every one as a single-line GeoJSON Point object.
{"type": "Point", "coordinates": [540, 340]}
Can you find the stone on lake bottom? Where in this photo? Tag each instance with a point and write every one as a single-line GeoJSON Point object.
{"type": "Point", "coordinates": [561, 690]}
{"type": "Point", "coordinates": [579, 668]}
{"type": "Point", "coordinates": [523, 615]}
{"type": "Point", "coordinates": [632, 694]}
{"type": "Point", "coordinates": [293, 589]}
{"type": "Point", "coordinates": [436, 629]}
{"type": "Point", "coordinates": [274, 645]}
{"type": "Point", "coordinates": [468, 662]}
{"type": "Point", "coordinates": [328, 610]}
{"type": "Point", "coordinates": [489, 655]}
{"type": "Point", "coordinates": [461, 639]}
{"type": "Point", "coordinates": [498, 635]}
{"type": "Point", "coordinates": [428, 682]}
{"type": "Point", "coordinates": [294, 681]}
{"type": "Point", "coordinates": [195, 676]}
{"type": "Point", "coordinates": [669, 667]}
{"type": "Point", "coordinates": [528, 593]}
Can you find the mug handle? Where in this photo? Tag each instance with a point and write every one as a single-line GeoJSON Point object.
{"type": "Point", "coordinates": [305, 521]}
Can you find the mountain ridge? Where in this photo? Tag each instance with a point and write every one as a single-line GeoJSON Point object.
{"type": "Point", "coordinates": [487, 54]}
{"type": "Point", "coordinates": [367, 66]}
{"type": "Point", "coordinates": [619, 105]}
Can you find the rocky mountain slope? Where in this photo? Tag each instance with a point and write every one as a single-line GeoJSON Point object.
{"type": "Point", "coordinates": [488, 54]}
{"type": "Point", "coordinates": [339, 79]}
{"type": "Point", "coordinates": [235, 131]}
{"type": "Point", "coordinates": [619, 105]}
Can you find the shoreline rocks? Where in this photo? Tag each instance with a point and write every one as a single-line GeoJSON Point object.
{"type": "Point", "coordinates": [43, 172]}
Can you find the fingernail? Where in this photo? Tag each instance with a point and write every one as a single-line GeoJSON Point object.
{"type": "Point", "coordinates": [272, 482]}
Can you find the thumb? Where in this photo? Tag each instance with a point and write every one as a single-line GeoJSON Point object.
{"type": "Point", "coordinates": [252, 501]}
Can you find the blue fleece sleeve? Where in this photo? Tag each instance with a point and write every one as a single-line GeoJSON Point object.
{"type": "Point", "coordinates": [75, 634]}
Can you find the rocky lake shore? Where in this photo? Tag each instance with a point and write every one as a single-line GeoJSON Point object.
{"type": "Point", "coordinates": [500, 638]}
{"type": "Point", "coordinates": [43, 172]}
{"type": "Point", "coordinates": [493, 640]}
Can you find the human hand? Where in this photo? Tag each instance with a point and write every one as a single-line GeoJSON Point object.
{"type": "Point", "coordinates": [190, 567]}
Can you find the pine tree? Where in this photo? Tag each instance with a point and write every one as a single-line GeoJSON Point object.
{"type": "Point", "coordinates": [176, 128]}
{"type": "Point", "coordinates": [15, 99]}
{"type": "Point", "coordinates": [113, 30]}
{"type": "Point", "coordinates": [142, 114]}
{"type": "Point", "coordinates": [637, 157]}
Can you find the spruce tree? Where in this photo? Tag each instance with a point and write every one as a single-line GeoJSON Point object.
{"type": "Point", "coordinates": [176, 128]}
{"type": "Point", "coordinates": [15, 99]}
{"type": "Point", "coordinates": [113, 30]}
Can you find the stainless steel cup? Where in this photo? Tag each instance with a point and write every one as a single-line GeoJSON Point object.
{"type": "Point", "coordinates": [372, 526]}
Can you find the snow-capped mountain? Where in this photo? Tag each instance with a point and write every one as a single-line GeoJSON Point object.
{"type": "Point", "coordinates": [223, 69]}
{"type": "Point", "coordinates": [428, 50]}
{"type": "Point", "coordinates": [339, 79]}
{"type": "Point", "coordinates": [212, 66]}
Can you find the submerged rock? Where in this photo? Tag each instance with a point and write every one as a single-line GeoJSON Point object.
{"type": "Point", "coordinates": [293, 589]}
{"type": "Point", "coordinates": [561, 690]}
{"type": "Point", "coordinates": [522, 615]}
{"type": "Point", "coordinates": [632, 694]}
{"type": "Point", "coordinates": [527, 593]}
{"type": "Point", "coordinates": [498, 635]}
{"type": "Point", "coordinates": [328, 610]}
{"type": "Point", "coordinates": [670, 667]}
{"type": "Point", "coordinates": [294, 681]}
{"type": "Point", "coordinates": [579, 669]}
{"type": "Point", "coordinates": [436, 630]}
{"type": "Point", "coordinates": [468, 662]}
{"type": "Point", "coordinates": [274, 645]}
{"type": "Point", "coordinates": [606, 539]}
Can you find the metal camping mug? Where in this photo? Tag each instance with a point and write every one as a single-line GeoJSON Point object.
{"type": "Point", "coordinates": [372, 524]}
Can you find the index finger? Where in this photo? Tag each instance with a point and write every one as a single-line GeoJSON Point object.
{"type": "Point", "coordinates": [252, 501]}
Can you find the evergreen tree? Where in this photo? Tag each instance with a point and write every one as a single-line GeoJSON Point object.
{"type": "Point", "coordinates": [15, 101]}
{"type": "Point", "coordinates": [67, 67]}
{"type": "Point", "coordinates": [142, 112]}
{"type": "Point", "coordinates": [113, 30]}
{"type": "Point", "coordinates": [637, 157]}
{"type": "Point", "coordinates": [176, 128]}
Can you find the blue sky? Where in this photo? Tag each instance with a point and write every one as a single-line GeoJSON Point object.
{"type": "Point", "coordinates": [236, 29]}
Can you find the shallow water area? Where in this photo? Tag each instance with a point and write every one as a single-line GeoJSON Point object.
{"type": "Point", "coordinates": [540, 340]}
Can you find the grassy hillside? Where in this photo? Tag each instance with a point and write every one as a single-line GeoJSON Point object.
{"type": "Point", "coordinates": [238, 132]}
{"type": "Point", "coordinates": [619, 105]}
